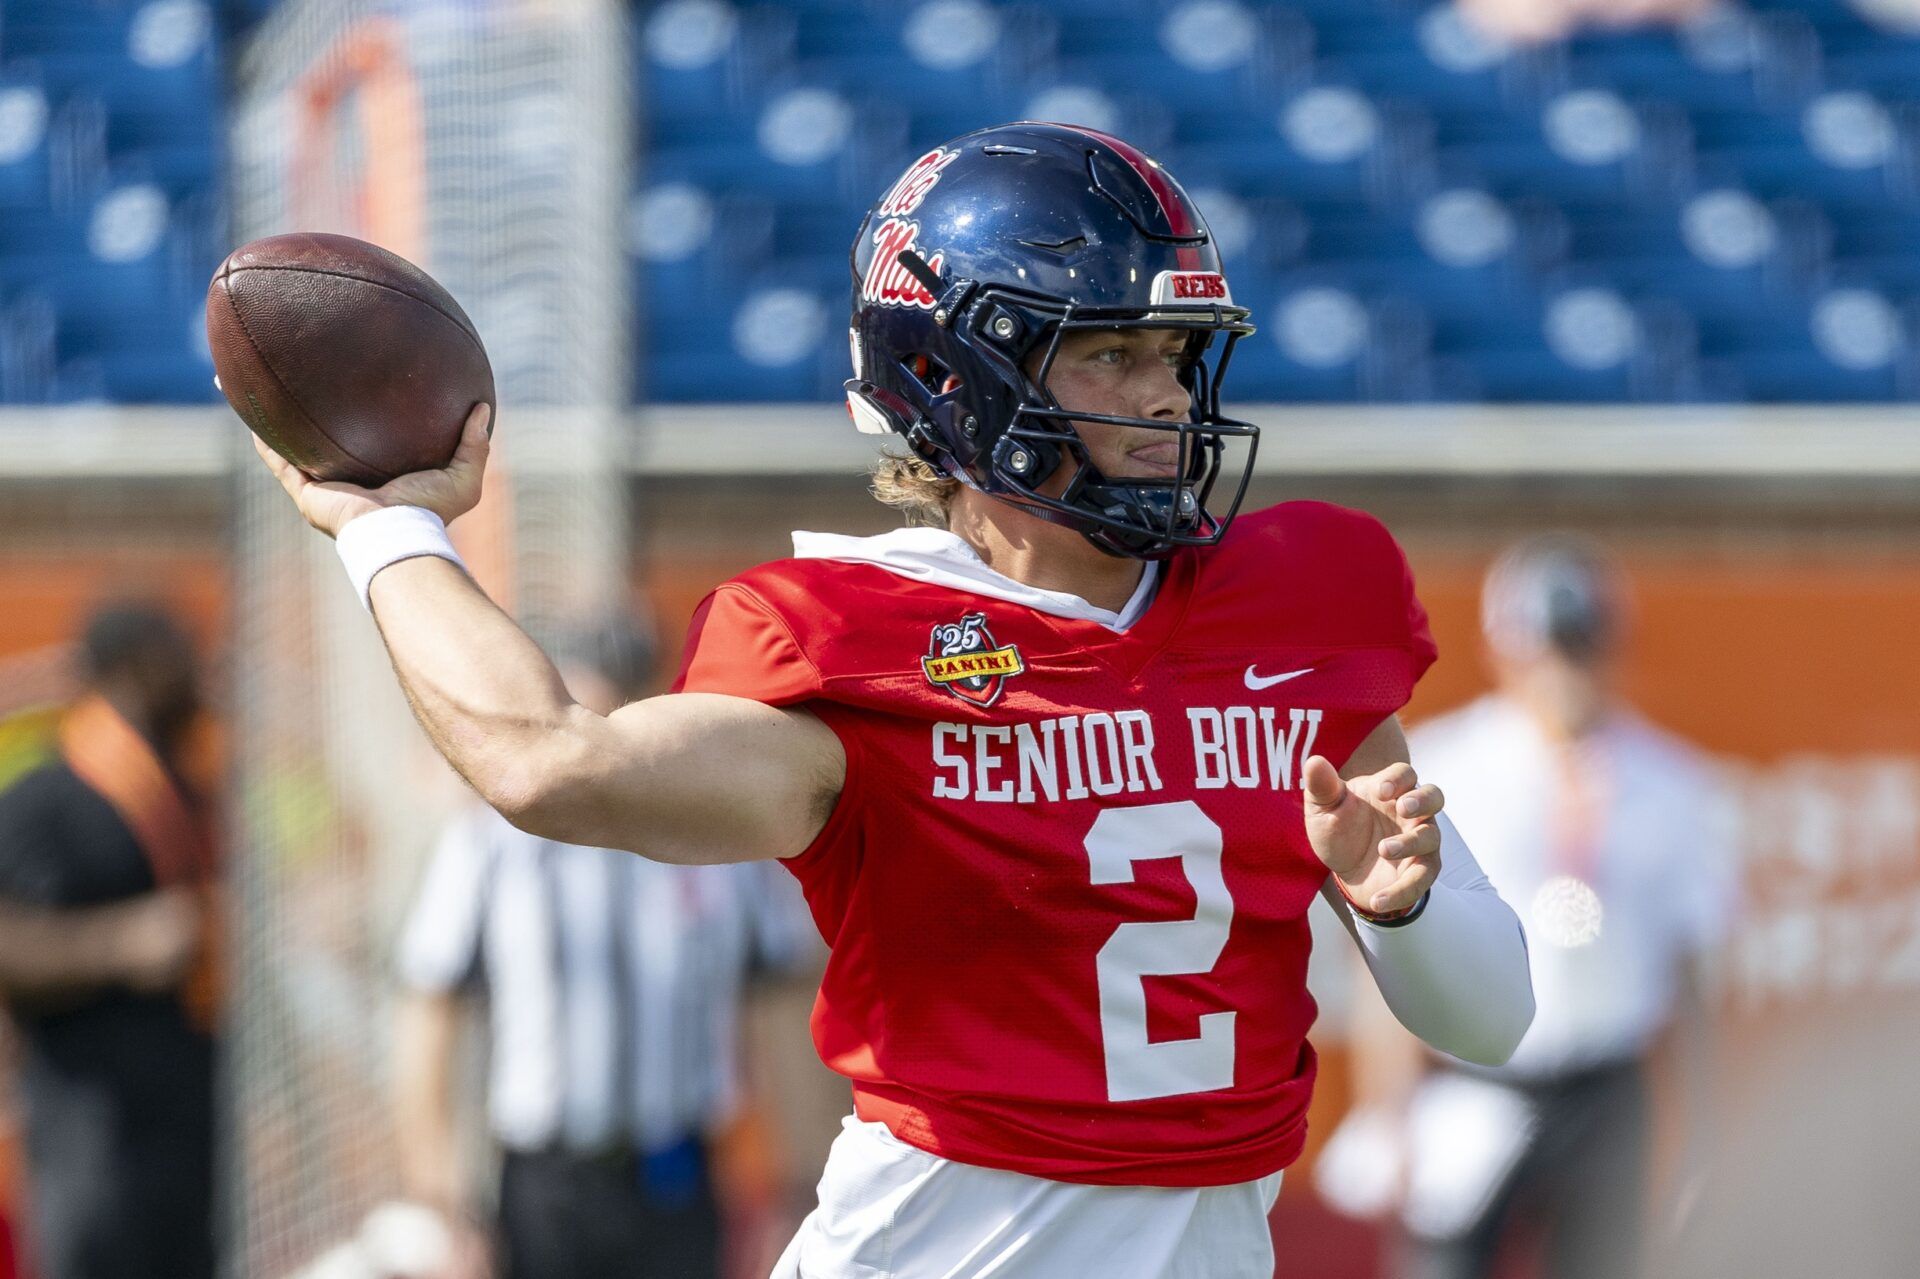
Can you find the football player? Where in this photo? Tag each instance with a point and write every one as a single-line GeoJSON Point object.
{"type": "Point", "coordinates": [1060, 774]}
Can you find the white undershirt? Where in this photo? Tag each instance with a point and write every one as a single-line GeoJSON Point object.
{"type": "Point", "coordinates": [945, 559]}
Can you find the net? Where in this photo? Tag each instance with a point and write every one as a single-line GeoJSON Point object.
{"type": "Point", "coordinates": [451, 134]}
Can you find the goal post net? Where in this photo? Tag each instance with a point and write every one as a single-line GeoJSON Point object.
{"type": "Point", "coordinates": [489, 142]}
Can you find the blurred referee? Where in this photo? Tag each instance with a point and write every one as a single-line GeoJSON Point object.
{"type": "Point", "coordinates": [612, 985]}
{"type": "Point", "coordinates": [1605, 833]}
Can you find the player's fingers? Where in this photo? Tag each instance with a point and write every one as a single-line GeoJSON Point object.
{"type": "Point", "coordinates": [479, 421]}
{"type": "Point", "coordinates": [1422, 841]}
{"type": "Point", "coordinates": [286, 472]}
{"type": "Point", "coordinates": [273, 460]}
{"type": "Point", "coordinates": [1414, 879]}
{"type": "Point", "coordinates": [1394, 781]}
{"type": "Point", "coordinates": [476, 438]}
{"type": "Point", "coordinates": [1321, 782]}
{"type": "Point", "coordinates": [1423, 800]}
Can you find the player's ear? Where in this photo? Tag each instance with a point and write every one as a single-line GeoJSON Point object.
{"type": "Point", "coordinates": [949, 386]}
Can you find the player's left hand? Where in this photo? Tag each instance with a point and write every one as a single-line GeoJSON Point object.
{"type": "Point", "coordinates": [1376, 833]}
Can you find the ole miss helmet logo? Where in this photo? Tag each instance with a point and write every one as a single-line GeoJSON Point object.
{"type": "Point", "coordinates": [887, 282]}
{"type": "Point", "coordinates": [922, 176]}
{"type": "Point", "coordinates": [968, 662]}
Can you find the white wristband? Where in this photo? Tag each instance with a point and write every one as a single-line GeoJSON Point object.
{"type": "Point", "coordinates": [370, 542]}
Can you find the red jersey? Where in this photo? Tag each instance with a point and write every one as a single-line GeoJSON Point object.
{"type": "Point", "coordinates": [1066, 883]}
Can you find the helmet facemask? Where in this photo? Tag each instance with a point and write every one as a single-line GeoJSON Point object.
{"type": "Point", "coordinates": [1145, 517]}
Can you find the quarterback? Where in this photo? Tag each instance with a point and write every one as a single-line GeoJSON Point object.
{"type": "Point", "coordinates": [1060, 768]}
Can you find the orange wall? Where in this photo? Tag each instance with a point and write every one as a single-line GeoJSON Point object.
{"type": "Point", "coordinates": [45, 597]}
{"type": "Point", "coordinates": [1754, 656]}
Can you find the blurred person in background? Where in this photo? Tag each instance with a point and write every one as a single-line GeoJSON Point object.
{"type": "Point", "coordinates": [106, 873]}
{"type": "Point", "coordinates": [613, 987]}
{"type": "Point", "coordinates": [1542, 21]}
{"type": "Point", "coordinates": [1605, 832]}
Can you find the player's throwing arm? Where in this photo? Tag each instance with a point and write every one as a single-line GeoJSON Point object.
{"type": "Point", "coordinates": [319, 341]}
{"type": "Point", "coordinates": [686, 778]}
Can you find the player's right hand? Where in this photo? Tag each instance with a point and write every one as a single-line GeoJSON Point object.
{"type": "Point", "coordinates": [449, 492]}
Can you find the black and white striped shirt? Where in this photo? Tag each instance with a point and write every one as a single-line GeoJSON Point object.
{"type": "Point", "coordinates": [613, 982]}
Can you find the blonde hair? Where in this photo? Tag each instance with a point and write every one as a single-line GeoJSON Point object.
{"type": "Point", "coordinates": [915, 488]}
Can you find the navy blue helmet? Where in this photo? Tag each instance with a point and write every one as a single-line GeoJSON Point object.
{"type": "Point", "coordinates": [992, 248]}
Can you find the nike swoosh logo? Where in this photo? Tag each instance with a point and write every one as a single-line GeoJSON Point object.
{"type": "Point", "coordinates": [1258, 682]}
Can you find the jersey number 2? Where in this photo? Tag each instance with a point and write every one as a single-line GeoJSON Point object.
{"type": "Point", "coordinates": [1136, 1068]}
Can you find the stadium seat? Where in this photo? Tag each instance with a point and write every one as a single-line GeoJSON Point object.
{"type": "Point", "coordinates": [1436, 58]}
{"type": "Point", "coordinates": [1860, 57]}
{"type": "Point", "coordinates": [1327, 142]}
{"type": "Point", "coordinates": [1662, 68]}
{"type": "Point", "coordinates": [25, 115]}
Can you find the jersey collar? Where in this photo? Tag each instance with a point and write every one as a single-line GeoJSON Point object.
{"type": "Point", "coordinates": [945, 559]}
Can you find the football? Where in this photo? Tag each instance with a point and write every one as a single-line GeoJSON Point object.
{"type": "Point", "coordinates": [349, 361]}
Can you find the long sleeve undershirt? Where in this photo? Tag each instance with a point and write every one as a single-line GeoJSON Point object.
{"type": "Point", "coordinates": [1457, 976]}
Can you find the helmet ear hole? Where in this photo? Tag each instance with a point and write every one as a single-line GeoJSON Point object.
{"type": "Point", "coordinates": [930, 373]}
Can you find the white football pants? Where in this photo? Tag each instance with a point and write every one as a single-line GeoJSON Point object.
{"type": "Point", "coordinates": [891, 1211]}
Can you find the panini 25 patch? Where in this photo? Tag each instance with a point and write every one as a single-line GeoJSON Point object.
{"type": "Point", "coordinates": [965, 659]}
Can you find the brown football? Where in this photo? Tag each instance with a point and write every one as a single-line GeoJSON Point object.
{"type": "Point", "coordinates": [348, 360]}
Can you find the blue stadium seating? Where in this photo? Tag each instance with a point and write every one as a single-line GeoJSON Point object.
{"type": "Point", "coordinates": [1690, 190]}
{"type": "Point", "coordinates": [1641, 217]}
{"type": "Point", "coordinates": [110, 170]}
